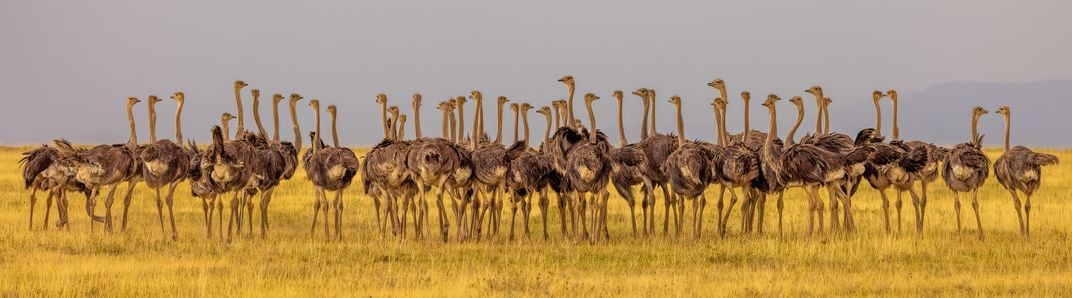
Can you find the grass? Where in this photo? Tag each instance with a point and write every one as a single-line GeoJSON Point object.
{"type": "Point", "coordinates": [139, 262]}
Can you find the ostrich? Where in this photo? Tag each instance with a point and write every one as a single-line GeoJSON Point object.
{"type": "Point", "coordinates": [106, 166]}
{"type": "Point", "coordinates": [241, 130]}
{"type": "Point", "coordinates": [737, 166]}
{"type": "Point", "coordinates": [515, 109]}
{"type": "Point", "coordinates": [929, 172]}
{"type": "Point", "coordinates": [489, 167]}
{"type": "Point", "coordinates": [840, 144]}
{"type": "Point", "coordinates": [285, 150]}
{"type": "Point", "coordinates": [630, 167]}
{"type": "Point", "coordinates": [563, 142]}
{"type": "Point", "coordinates": [527, 175]}
{"type": "Point", "coordinates": [271, 162]}
{"type": "Point", "coordinates": [44, 169]}
{"type": "Point", "coordinates": [1020, 169]}
{"type": "Point", "coordinates": [384, 171]}
{"type": "Point", "coordinates": [166, 163]}
{"type": "Point", "coordinates": [589, 167]}
{"type": "Point", "coordinates": [432, 163]}
{"type": "Point", "coordinates": [657, 148]}
{"type": "Point", "coordinates": [688, 170]}
{"type": "Point", "coordinates": [805, 164]}
{"type": "Point", "coordinates": [225, 120]}
{"type": "Point", "coordinates": [966, 168]}
{"type": "Point", "coordinates": [748, 139]}
{"type": "Point", "coordinates": [329, 169]}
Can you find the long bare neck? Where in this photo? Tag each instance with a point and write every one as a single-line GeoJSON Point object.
{"type": "Point", "coordinates": [569, 106]}
{"type": "Point", "coordinates": [644, 120]}
{"type": "Point", "coordinates": [453, 127]}
{"type": "Point", "coordinates": [718, 125]}
{"type": "Point", "coordinates": [819, 114]}
{"type": "Point", "coordinates": [651, 100]}
{"type": "Point", "coordinates": [417, 121]}
{"type": "Point", "coordinates": [558, 116]}
{"type": "Point", "coordinates": [402, 129]}
{"type": "Point", "coordinates": [878, 117]}
{"type": "Point", "coordinates": [547, 134]}
{"type": "Point", "coordinates": [621, 126]}
{"type": "Point", "coordinates": [383, 117]}
{"type": "Point", "coordinates": [591, 118]}
{"type": "Point", "coordinates": [461, 121]}
{"type": "Point", "coordinates": [1008, 129]}
{"type": "Point", "coordinates": [334, 132]}
{"type": "Point", "coordinates": [826, 118]}
{"type": "Point", "coordinates": [297, 128]}
{"type": "Point", "coordinates": [796, 124]}
{"type": "Point", "coordinates": [722, 128]}
{"type": "Point", "coordinates": [478, 123]}
{"type": "Point", "coordinates": [747, 122]}
{"type": "Point", "coordinates": [178, 123]}
{"type": "Point", "coordinates": [768, 144]}
{"type": "Point", "coordinates": [133, 140]}
{"type": "Point", "coordinates": [515, 124]}
{"type": "Point", "coordinates": [896, 129]}
{"type": "Point", "coordinates": [680, 125]}
{"type": "Point", "coordinates": [317, 117]}
{"type": "Point", "coordinates": [525, 122]}
{"type": "Point", "coordinates": [275, 121]}
{"type": "Point", "coordinates": [974, 128]}
{"type": "Point", "coordinates": [226, 129]}
{"type": "Point", "coordinates": [445, 125]}
{"type": "Point", "coordinates": [152, 121]}
{"type": "Point", "coordinates": [241, 115]}
{"type": "Point", "coordinates": [476, 127]}
{"type": "Point", "coordinates": [499, 123]}
{"type": "Point", "coordinates": [257, 115]}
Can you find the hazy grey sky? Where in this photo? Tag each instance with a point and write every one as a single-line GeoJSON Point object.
{"type": "Point", "coordinates": [69, 65]}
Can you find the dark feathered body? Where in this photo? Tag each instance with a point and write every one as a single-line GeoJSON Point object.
{"type": "Point", "coordinates": [589, 165]}
{"type": "Point", "coordinates": [528, 169]}
{"type": "Point", "coordinates": [490, 164]}
{"type": "Point", "coordinates": [630, 166]}
{"type": "Point", "coordinates": [737, 165]}
{"type": "Point", "coordinates": [966, 167]}
{"type": "Point", "coordinates": [267, 166]}
{"type": "Point", "coordinates": [43, 169]}
{"type": "Point", "coordinates": [658, 148]}
{"type": "Point", "coordinates": [1020, 169]}
{"type": "Point", "coordinates": [929, 172]}
{"type": "Point", "coordinates": [332, 168]}
{"type": "Point", "coordinates": [689, 169]}
{"type": "Point", "coordinates": [103, 164]}
{"type": "Point", "coordinates": [224, 163]}
{"type": "Point", "coordinates": [385, 165]}
{"type": "Point", "coordinates": [433, 162]}
{"type": "Point", "coordinates": [163, 163]}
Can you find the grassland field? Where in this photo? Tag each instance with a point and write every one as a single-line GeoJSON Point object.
{"type": "Point", "coordinates": [140, 262]}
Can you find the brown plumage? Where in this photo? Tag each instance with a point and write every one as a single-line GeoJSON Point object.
{"type": "Point", "coordinates": [1019, 169]}
{"type": "Point", "coordinates": [527, 173]}
{"type": "Point", "coordinates": [329, 169]}
{"type": "Point", "coordinates": [432, 162]}
{"type": "Point", "coordinates": [736, 166]}
{"type": "Point", "coordinates": [689, 170]}
{"type": "Point", "coordinates": [966, 168]}
{"type": "Point", "coordinates": [44, 169]}
{"type": "Point", "coordinates": [384, 172]}
{"type": "Point", "coordinates": [489, 168]}
{"type": "Point", "coordinates": [657, 148]}
{"type": "Point", "coordinates": [589, 167]}
{"type": "Point", "coordinates": [631, 167]}
{"type": "Point", "coordinates": [165, 162]}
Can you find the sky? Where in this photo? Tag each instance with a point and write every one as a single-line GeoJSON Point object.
{"type": "Point", "coordinates": [68, 66]}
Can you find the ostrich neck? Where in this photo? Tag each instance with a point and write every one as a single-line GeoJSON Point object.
{"type": "Point", "coordinates": [826, 118]}
{"type": "Point", "coordinates": [558, 116]}
{"type": "Point", "coordinates": [417, 120]}
{"type": "Point", "coordinates": [718, 125]}
{"type": "Point", "coordinates": [401, 129]}
{"type": "Point", "coordinates": [621, 126]}
{"type": "Point", "coordinates": [317, 141]}
{"type": "Point", "coordinates": [680, 126]}
{"type": "Point", "coordinates": [226, 130]}
{"type": "Point", "coordinates": [446, 124]}
{"type": "Point", "coordinates": [1008, 129]}
{"type": "Point", "coordinates": [152, 121]}
{"type": "Point", "coordinates": [525, 122]}
{"type": "Point", "coordinates": [725, 132]}
{"type": "Point", "coordinates": [591, 118]}
{"type": "Point", "coordinates": [819, 114]}
{"type": "Point", "coordinates": [383, 118]}
{"type": "Point", "coordinates": [768, 144]}
{"type": "Point", "coordinates": [476, 126]}
{"type": "Point", "coordinates": [651, 100]}
{"type": "Point", "coordinates": [974, 129]}
{"type": "Point", "coordinates": [569, 106]}
{"type": "Point", "coordinates": [178, 123]}
{"type": "Point", "coordinates": [515, 125]}
{"type": "Point", "coordinates": [747, 122]}
{"type": "Point", "coordinates": [478, 120]}
{"type": "Point", "coordinates": [461, 121]}
{"type": "Point", "coordinates": [334, 132]}
{"type": "Point", "coordinates": [644, 120]}
{"type": "Point", "coordinates": [394, 128]}
{"type": "Point", "coordinates": [796, 124]}
{"type": "Point", "coordinates": [133, 140]}
{"type": "Point", "coordinates": [297, 128]}
{"type": "Point", "coordinates": [547, 133]}
{"type": "Point", "coordinates": [896, 130]}
{"type": "Point", "coordinates": [275, 121]}
{"type": "Point", "coordinates": [878, 117]}
{"type": "Point", "coordinates": [257, 115]}
{"type": "Point", "coordinates": [453, 127]}
{"type": "Point", "coordinates": [241, 115]}
{"type": "Point", "coordinates": [499, 123]}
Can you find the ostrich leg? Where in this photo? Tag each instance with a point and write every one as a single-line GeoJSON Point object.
{"type": "Point", "coordinates": [513, 213]}
{"type": "Point", "coordinates": [975, 206]}
{"type": "Point", "coordinates": [956, 206]}
{"type": "Point", "coordinates": [922, 205]}
{"type": "Point", "coordinates": [160, 211]}
{"type": "Point", "coordinates": [1019, 209]}
{"type": "Point", "coordinates": [526, 208]}
{"type": "Point", "coordinates": [702, 201]}
{"type": "Point", "coordinates": [316, 212]}
{"type": "Point", "coordinates": [266, 198]}
{"type": "Point", "coordinates": [726, 217]}
{"type": "Point", "coordinates": [338, 214]}
{"type": "Point", "coordinates": [544, 202]}
{"type": "Point", "coordinates": [834, 206]}
{"type": "Point", "coordinates": [885, 208]}
{"type": "Point", "coordinates": [33, 201]}
{"type": "Point", "coordinates": [1027, 216]}
{"type": "Point", "coordinates": [898, 206]}
{"type": "Point", "coordinates": [171, 213]}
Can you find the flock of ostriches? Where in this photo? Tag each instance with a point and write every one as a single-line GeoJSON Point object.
{"type": "Point", "coordinates": [576, 162]}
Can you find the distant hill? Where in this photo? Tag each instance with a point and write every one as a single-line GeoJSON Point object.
{"type": "Point", "coordinates": [1040, 112]}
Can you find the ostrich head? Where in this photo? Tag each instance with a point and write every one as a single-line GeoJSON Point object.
{"type": "Point", "coordinates": [746, 96]}
{"type": "Point", "coordinates": [675, 100]}
{"type": "Point", "coordinates": [566, 79]}
{"type": "Point", "coordinates": [877, 95]}
{"type": "Point", "coordinates": [239, 84]}
{"type": "Point", "coordinates": [276, 98]}
{"type": "Point", "coordinates": [227, 117]}
{"type": "Point", "coordinates": [256, 92]}
{"type": "Point", "coordinates": [618, 95]}
{"type": "Point", "coordinates": [717, 84]}
{"type": "Point", "coordinates": [131, 101]}
{"type": "Point", "coordinates": [315, 104]}
{"type": "Point", "coordinates": [642, 92]}
{"type": "Point", "coordinates": [294, 98]}
{"type": "Point", "coordinates": [1003, 110]}
{"type": "Point", "coordinates": [545, 110]}
{"type": "Point", "coordinates": [514, 106]}
{"type": "Point", "coordinates": [772, 98]}
{"type": "Point", "coordinates": [416, 100]}
{"type": "Point", "coordinates": [892, 94]}
{"type": "Point", "coordinates": [979, 111]}
{"type": "Point", "coordinates": [331, 110]}
{"type": "Point", "coordinates": [502, 100]}
{"type": "Point", "coordinates": [393, 110]}
{"type": "Point", "coordinates": [381, 98]}
{"type": "Point", "coordinates": [178, 96]}
{"type": "Point", "coordinates": [796, 100]}
{"type": "Point", "coordinates": [460, 100]}
{"type": "Point", "coordinates": [719, 103]}
{"type": "Point", "coordinates": [442, 106]}
{"type": "Point", "coordinates": [815, 90]}
{"type": "Point", "coordinates": [153, 100]}
{"type": "Point", "coordinates": [590, 98]}
{"type": "Point", "coordinates": [525, 107]}
{"type": "Point", "coordinates": [476, 95]}
{"type": "Point", "coordinates": [826, 101]}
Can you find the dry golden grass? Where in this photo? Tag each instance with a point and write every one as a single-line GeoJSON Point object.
{"type": "Point", "coordinates": [291, 263]}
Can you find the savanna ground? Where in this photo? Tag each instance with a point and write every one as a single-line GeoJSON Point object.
{"type": "Point", "coordinates": [139, 262]}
